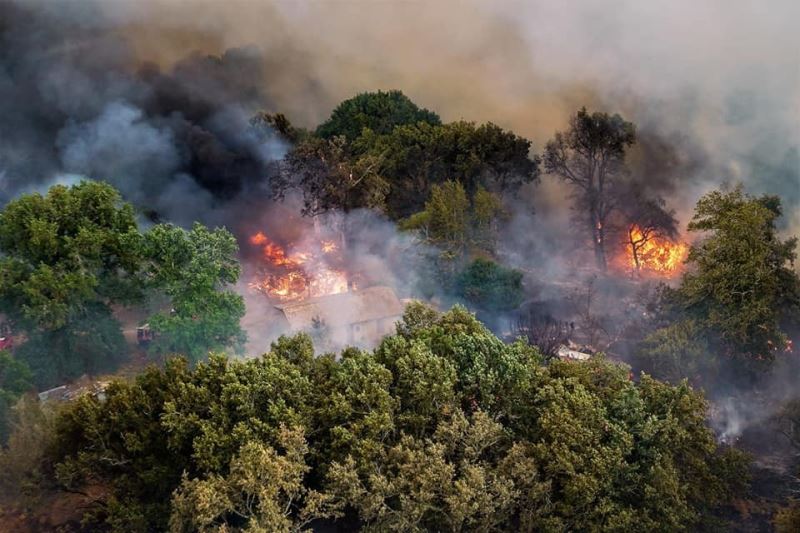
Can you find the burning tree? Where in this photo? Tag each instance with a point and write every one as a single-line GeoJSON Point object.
{"type": "Point", "coordinates": [650, 234]}
{"type": "Point", "coordinates": [590, 156]}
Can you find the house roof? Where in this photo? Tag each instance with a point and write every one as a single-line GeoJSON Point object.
{"type": "Point", "coordinates": [372, 303]}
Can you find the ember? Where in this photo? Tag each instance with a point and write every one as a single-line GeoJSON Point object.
{"type": "Point", "coordinates": [300, 272]}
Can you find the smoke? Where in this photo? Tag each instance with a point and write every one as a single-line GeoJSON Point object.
{"type": "Point", "coordinates": [155, 96]}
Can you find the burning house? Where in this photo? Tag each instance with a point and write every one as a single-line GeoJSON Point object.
{"type": "Point", "coordinates": [357, 318]}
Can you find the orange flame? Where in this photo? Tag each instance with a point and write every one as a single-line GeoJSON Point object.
{"type": "Point", "coordinates": [653, 253]}
{"type": "Point", "coordinates": [299, 274]}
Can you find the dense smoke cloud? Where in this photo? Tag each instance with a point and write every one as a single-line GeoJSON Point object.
{"type": "Point", "coordinates": [75, 101]}
{"type": "Point", "coordinates": [713, 87]}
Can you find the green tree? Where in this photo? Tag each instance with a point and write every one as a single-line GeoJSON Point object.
{"type": "Point", "coordinates": [15, 380]}
{"type": "Point", "coordinates": [330, 177]}
{"type": "Point", "coordinates": [379, 111]}
{"type": "Point", "coordinates": [442, 427]}
{"type": "Point", "coordinates": [259, 493]}
{"type": "Point", "coordinates": [445, 220]}
{"type": "Point", "coordinates": [65, 258]}
{"type": "Point", "coordinates": [195, 270]}
{"type": "Point", "coordinates": [415, 157]}
{"type": "Point", "coordinates": [490, 286]}
{"type": "Point", "coordinates": [453, 223]}
{"type": "Point", "coordinates": [741, 286]}
{"type": "Point", "coordinates": [590, 156]}
{"type": "Point", "coordinates": [676, 352]}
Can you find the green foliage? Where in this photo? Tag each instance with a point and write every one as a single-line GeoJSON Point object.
{"type": "Point", "coordinates": [15, 379]}
{"type": "Point", "coordinates": [380, 151]}
{"type": "Point", "coordinates": [741, 286]}
{"type": "Point", "coordinates": [24, 460]}
{"type": "Point", "coordinates": [676, 352]}
{"type": "Point", "coordinates": [64, 259]}
{"type": "Point", "coordinates": [68, 257]}
{"type": "Point", "coordinates": [452, 222]}
{"type": "Point", "coordinates": [415, 157]}
{"type": "Point", "coordinates": [380, 112]}
{"type": "Point", "coordinates": [90, 344]}
{"type": "Point", "coordinates": [258, 492]}
{"type": "Point", "coordinates": [442, 427]}
{"type": "Point", "coordinates": [490, 286]}
{"type": "Point", "coordinates": [331, 177]}
{"type": "Point", "coordinates": [62, 251]}
{"type": "Point", "coordinates": [194, 269]}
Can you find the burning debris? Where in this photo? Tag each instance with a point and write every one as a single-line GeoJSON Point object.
{"type": "Point", "coordinates": [298, 271]}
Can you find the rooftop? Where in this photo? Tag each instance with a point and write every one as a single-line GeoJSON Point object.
{"type": "Point", "coordinates": [372, 303]}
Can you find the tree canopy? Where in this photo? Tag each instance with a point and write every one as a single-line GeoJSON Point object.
{"type": "Point", "coordinates": [415, 157]}
{"type": "Point", "coordinates": [380, 151]}
{"type": "Point", "coordinates": [442, 427]}
{"type": "Point", "coordinates": [70, 258]}
{"type": "Point", "coordinates": [65, 251]}
{"type": "Point", "coordinates": [379, 112]}
{"type": "Point", "coordinates": [195, 270]}
{"type": "Point", "coordinates": [739, 293]}
{"type": "Point", "coordinates": [743, 281]}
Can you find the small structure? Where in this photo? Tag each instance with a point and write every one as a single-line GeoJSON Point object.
{"type": "Point", "coordinates": [6, 343]}
{"type": "Point", "coordinates": [358, 318]}
{"type": "Point", "coordinates": [572, 353]}
{"type": "Point", "coordinates": [71, 391]}
{"type": "Point", "coordinates": [6, 338]}
{"type": "Point", "coordinates": [144, 335]}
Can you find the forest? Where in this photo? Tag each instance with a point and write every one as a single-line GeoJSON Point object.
{"type": "Point", "coordinates": [586, 342]}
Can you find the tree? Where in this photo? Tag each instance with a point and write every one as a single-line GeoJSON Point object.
{"type": "Point", "coordinates": [452, 222]}
{"type": "Point", "coordinates": [646, 219]}
{"type": "Point", "coordinates": [442, 427]}
{"type": "Point", "coordinates": [677, 352]}
{"type": "Point", "coordinates": [74, 246]}
{"type": "Point", "coordinates": [260, 492]}
{"type": "Point", "coordinates": [15, 380]}
{"type": "Point", "coordinates": [741, 286]}
{"type": "Point", "coordinates": [415, 157]}
{"type": "Point", "coordinates": [379, 111]}
{"type": "Point", "coordinates": [64, 259]}
{"type": "Point", "coordinates": [590, 156]}
{"type": "Point", "coordinates": [331, 178]}
{"type": "Point", "coordinates": [446, 218]}
{"type": "Point", "coordinates": [194, 270]}
{"type": "Point", "coordinates": [489, 286]}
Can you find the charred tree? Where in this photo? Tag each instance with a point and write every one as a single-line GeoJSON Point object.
{"type": "Point", "coordinates": [590, 156]}
{"type": "Point", "coordinates": [543, 331]}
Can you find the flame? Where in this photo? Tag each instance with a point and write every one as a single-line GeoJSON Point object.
{"type": "Point", "coordinates": [655, 254]}
{"type": "Point", "coordinates": [298, 273]}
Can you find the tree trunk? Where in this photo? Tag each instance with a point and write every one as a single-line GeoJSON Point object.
{"type": "Point", "coordinates": [599, 237]}
{"type": "Point", "coordinates": [634, 252]}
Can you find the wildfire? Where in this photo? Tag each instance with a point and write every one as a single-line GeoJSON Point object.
{"type": "Point", "coordinates": [646, 252]}
{"type": "Point", "coordinates": [299, 273]}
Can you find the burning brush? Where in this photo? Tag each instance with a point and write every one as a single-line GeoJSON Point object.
{"type": "Point", "coordinates": [649, 252]}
